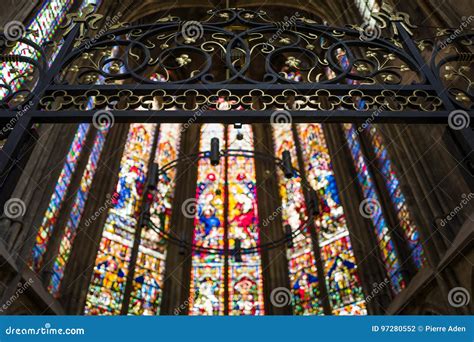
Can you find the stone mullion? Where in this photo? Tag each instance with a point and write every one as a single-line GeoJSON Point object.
{"type": "Point", "coordinates": [325, 301]}
{"type": "Point", "coordinates": [66, 207]}
{"type": "Point", "coordinates": [79, 269]}
{"type": "Point", "coordinates": [361, 231]}
{"type": "Point", "coordinates": [274, 261]}
{"type": "Point", "coordinates": [178, 264]}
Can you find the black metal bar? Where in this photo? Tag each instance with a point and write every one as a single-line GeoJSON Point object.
{"type": "Point", "coordinates": [242, 116]}
{"type": "Point", "coordinates": [172, 88]}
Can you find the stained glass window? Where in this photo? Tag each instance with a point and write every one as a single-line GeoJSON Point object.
{"type": "Point", "coordinates": [79, 202]}
{"type": "Point", "coordinates": [246, 285]}
{"type": "Point", "coordinates": [245, 275]}
{"type": "Point", "coordinates": [304, 280]}
{"type": "Point", "coordinates": [207, 277]}
{"type": "Point", "coordinates": [112, 262]}
{"type": "Point", "coordinates": [366, 182]}
{"type": "Point", "coordinates": [387, 248]}
{"type": "Point", "coordinates": [41, 29]}
{"type": "Point", "coordinates": [149, 270]}
{"type": "Point", "coordinates": [52, 212]}
{"type": "Point", "coordinates": [340, 268]}
{"type": "Point", "coordinates": [407, 225]}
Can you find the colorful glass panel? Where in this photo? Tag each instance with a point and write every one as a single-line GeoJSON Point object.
{"type": "Point", "coordinates": [46, 229]}
{"type": "Point", "coordinates": [40, 30]}
{"type": "Point", "coordinates": [387, 248]}
{"type": "Point", "coordinates": [76, 213]}
{"type": "Point", "coordinates": [407, 225]}
{"type": "Point", "coordinates": [207, 277]}
{"type": "Point", "coordinates": [389, 255]}
{"type": "Point", "coordinates": [149, 270]}
{"type": "Point", "coordinates": [111, 266]}
{"type": "Point", "coordinates": [245, 276]}
{"type": "Point", "coordinates": [304, 280]}
{"type": "Point", "coordinates": [340, 268]}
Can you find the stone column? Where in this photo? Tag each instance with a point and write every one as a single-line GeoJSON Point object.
{"type": "Point", "coordinates": [274, 261]}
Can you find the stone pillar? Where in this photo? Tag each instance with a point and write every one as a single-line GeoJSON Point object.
{"type": "Point", "coordinates": [274, 261]}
